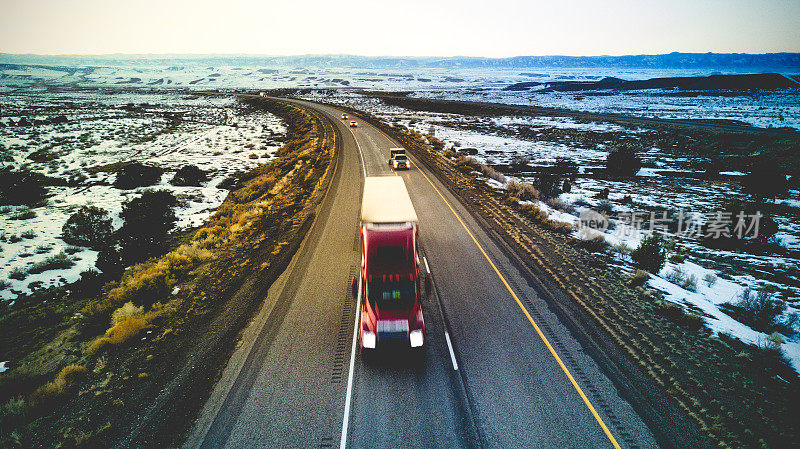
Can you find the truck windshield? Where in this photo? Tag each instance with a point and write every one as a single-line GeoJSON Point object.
{"type": "Point", "coordinates": [392, 294]}
{"type": "Point", "coordinates": [400, 157]}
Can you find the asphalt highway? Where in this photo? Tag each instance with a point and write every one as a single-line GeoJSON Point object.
{"type": "Point", "coordinates": [499, 369]}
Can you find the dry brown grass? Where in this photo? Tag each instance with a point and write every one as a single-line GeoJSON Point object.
{"type": "Point", "coordinates": [532, 212]}
{"type": "Point", "coordinates": [522, 190]}
{"type": "Point", "coordinates": [639, 278]}
{"type": "Point", "coordinates": [126, 322]}
{"type": "Point", "coordinates": [48, 395]}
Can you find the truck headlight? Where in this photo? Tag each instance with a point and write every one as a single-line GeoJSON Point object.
{"type": "Point", "coordinates": [368, 339]}
{"type": "Point", "coordinates": [415, 338]}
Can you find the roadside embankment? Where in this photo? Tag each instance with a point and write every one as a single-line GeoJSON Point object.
{"type": "Point", "coordinates": [136, 361]}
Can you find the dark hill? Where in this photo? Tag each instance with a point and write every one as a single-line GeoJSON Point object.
{"type": "Point", "coordinates": [760, 81]}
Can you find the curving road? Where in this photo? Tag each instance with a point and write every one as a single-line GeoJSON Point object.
{"type": "Point", "coordinates": [499, 369]}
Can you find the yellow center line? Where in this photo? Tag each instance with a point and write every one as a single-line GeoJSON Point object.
{"type": "Point", "coordinates": [528, 315]}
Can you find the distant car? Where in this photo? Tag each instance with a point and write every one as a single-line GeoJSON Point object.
{"type": "Point", "coordinates": [344, 116]}
{"type": "Point", "coordinates": [353, 124]}
{"type": "Point", "coordinates": [400, 161]}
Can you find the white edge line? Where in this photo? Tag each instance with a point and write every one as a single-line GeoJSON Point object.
{"type": "Point", "coordinates": [452, 354]}
{"type": "Point", "coordinates": [427, 268]}
{"type": "Point", "coordinates": [360, 153]}
{"type": "Point", "coordinates": [349, 394]}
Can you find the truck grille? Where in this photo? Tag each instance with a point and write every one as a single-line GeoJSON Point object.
{"type": "Point", "coordinates": [392, 329]}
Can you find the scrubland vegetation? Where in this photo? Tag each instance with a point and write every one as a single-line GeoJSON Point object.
{"type": "Point", "coordinates": [80, 352]}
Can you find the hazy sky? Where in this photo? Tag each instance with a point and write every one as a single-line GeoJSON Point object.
{"type": "Point", "coordinates": [494, 28]}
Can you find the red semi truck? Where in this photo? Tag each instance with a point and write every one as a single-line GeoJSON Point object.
{"type": "Point", "coordinates": [389, 284]}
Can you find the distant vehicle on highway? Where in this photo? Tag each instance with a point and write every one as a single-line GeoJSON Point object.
{"type": "Point", "coordinates": [344, 116]}
{"type": "Point", "coordinates": [398, 159]}
{"type": "Point", "coordinates": [353, 124]}
{"type": "Point", "coordinates": [389, 283]}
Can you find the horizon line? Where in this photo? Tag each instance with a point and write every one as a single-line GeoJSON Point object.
{"type": "Point", "coordinates": [264, 55]}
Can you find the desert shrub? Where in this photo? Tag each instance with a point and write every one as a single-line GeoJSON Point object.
{"type": "Point", "coordinates": [148, 283]}
{"type": "Point", "coordinates": [533, 213]}
{"type": "Point", "coordinates": [88, 226]}
{"type": "Point", "coordinates": [678, 315]}
{"type": "Point", "coordinates": [189, 175]}
{"type": "Point", "coordinates": [650, 254]}
{"type": "Point", "coordinates": [548, 183]}
{"type": "Point", "coordinates": [594, 244]}
{"type": "Point", "coordinates": [18, 274]}
{"type": "Point", "coordinates": [558, 204]}
{"type": "Point", "coordinates": [680, 278]}
{"type": "Point", "coordinates": [622, 248]}
{"type": "Point", "coordinates": [710, 280]}
{"type": "Point", "coordinates": [26, 214]}
{"type": "Point", "coordinates": [29, 234]}
{"type": "Point", "coordinates": [560, 226]}
{"type": "Point", "coordinates": [21, 187]}
{"type": "Point", "coordinates": [137, 175]}
{"type": "Point", "coordinates": [48, 395]}
{"type": "Point", "coordinates": [147, 222]}
{"type": "Point", "coordinates": [43, 155]}
{"type": "Point", "coordinates": [491, 173]}
{"type": "Point", "coordinates": [623, 162]}
{"type": "Point", "coordinates": [522, 190]}
{"type": "Point", "coordinates": [466, 164]}
{"type": "Point", "coordinates": [765, 179]}
{"type": "Point", "coordinates": [757, 309]}
{"type": "Point", "coordinates": [638, 278]}
{"type": "Point", "coordinates": [109, 262]}
{"type": "Point", "coordinates": [126, 311]}
{"type": "Point", "coordinates": [520, 161]}
{"type": "Point", "coordinates": [435, 143]}
{"type": "Point", "coordinates": [605, 207]}
{"type": "Point", "coordinates": [57, 262]}
{"type": "Point", "coordinates": [120, 333]}
{"type": "Point", "coordinates": [143, 286]}
{"type": "Point", "coordinates": [565, 167]}
{"type": "Point", "coordinates": [677, 258]}
{"type": "Point", "coordinates": [11, 414]}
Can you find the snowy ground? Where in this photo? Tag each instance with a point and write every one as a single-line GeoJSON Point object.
{"type": "Point", "coordinates": [101, 129]}
{"type": "Point", "coordinates": [776, 109]}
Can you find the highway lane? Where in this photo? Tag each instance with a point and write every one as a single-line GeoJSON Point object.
{"type": "Point", "coordinates": [405, 400]}
{"type": "Point", "coordinates": [520, 395]}
{"type": "Point", "coordinates": [286, 385]}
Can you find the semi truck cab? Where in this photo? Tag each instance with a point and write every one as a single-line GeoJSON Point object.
{"type": "Point", "coordinates": [389, 286]}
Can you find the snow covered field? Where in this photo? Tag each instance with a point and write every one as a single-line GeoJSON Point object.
{"type": "Point", "coordinates": [98, 131]}
{"type": "Point", "coordinates": [777, 109]}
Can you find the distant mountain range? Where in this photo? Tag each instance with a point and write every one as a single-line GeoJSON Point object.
{"type": "Point", "coordinates": [738, 61]}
